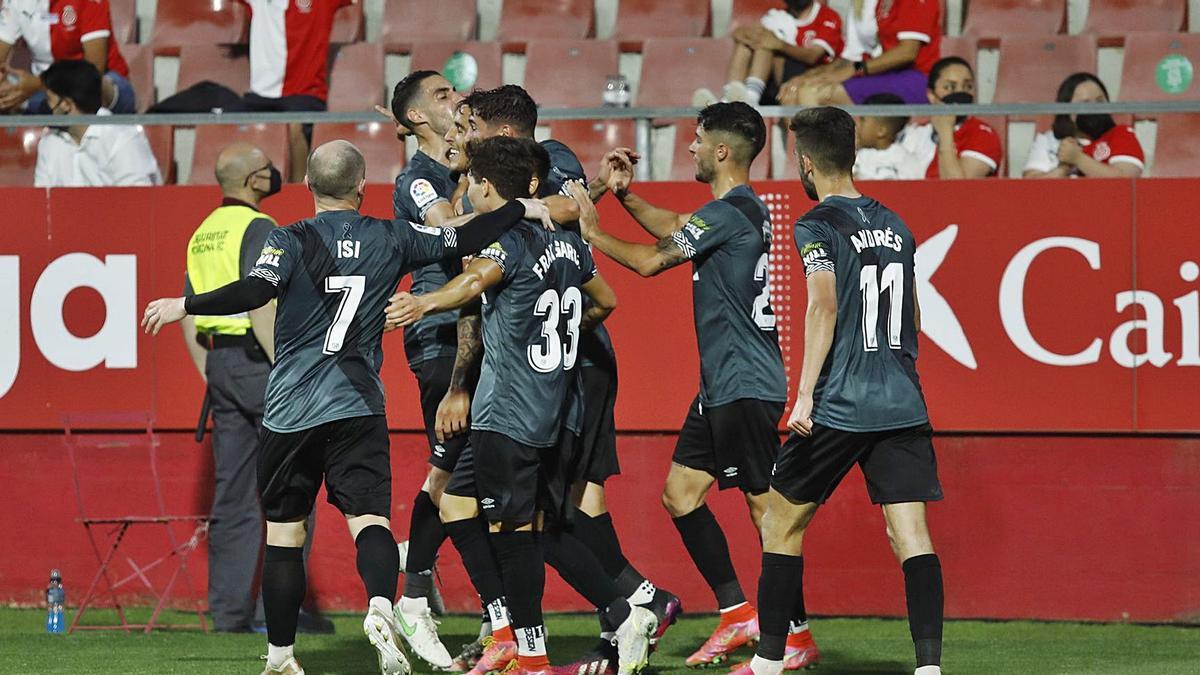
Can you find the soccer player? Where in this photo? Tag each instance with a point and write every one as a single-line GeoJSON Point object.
{"type": "Point", "coordinates": [423, 106]}
{"type": "Point", "coordinates": [729, 436]}
{"type": "Point", "coordinates": [525, 415]}
{"type": "Point", "coordinates": [859, 399]}
{"type": "Point", "coordinates": [324, 415]}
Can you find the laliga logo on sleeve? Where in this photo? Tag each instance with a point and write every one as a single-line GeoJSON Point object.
{"type": "Point", "coordinates": [938, 321]}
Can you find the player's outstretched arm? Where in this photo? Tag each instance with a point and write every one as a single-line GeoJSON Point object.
{"type": "Point", "coordinates": [406, 309]}
{"type": "Point", "coordinates": [240, 296]}
{"type": "Point", "coordinates": [604, 301]}
{"type": "Point", "coordinates": [644, 259]}
{"type": "Point", "coordinates": [819, 321]}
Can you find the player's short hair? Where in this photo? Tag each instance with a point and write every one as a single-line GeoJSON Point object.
{"type": "Point", "coordinates": [742, 122]}
{"type": "Point", "coordinates": [76, 80]}
{"type": "Point", "coordinates": [894, 124]}
{"type": "Point", "coordinates": [507, 104]}
{"type": "Point", "coordinates": [335, 170]}
{"type": "Point", "coordinates": [406, 90]}
{"type": "Point", "coordinates": [935, 73]}
{"type": "Point", "coordinates": [826, 135]}
{"type": "Point", "coordinates": [508, 163]}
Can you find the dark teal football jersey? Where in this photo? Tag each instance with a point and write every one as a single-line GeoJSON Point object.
{"type": "Point", "coordinates": [333, 275]}
{"type": "Point", "coordinates": [528, 383]}
{"type": "Point", "coordinates": [423, 184]}
{"type": "Point", "coordinates": [729, 243]}
{"type": "Point", "coordinates": [869, 381]}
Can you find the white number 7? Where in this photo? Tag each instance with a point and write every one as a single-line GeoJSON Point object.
{"type": "Point", "coordinates": [351, 289]}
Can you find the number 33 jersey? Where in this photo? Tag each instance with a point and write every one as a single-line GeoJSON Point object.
{"type": "Point", "coordinates": [334, 274]}
{"type": "Point", "coordinates": [869, 381]}
{"type": "Point", "coordinates": [528, 384]}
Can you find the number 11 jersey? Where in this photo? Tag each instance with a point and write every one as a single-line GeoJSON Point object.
{"type": "Point", "coordinates": [869, 381]}
{"type": "Point", "coordinates": [334, 274]}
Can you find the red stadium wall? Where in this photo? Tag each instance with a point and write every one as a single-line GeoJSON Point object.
{"type": "Point", "coordinates": [1062, 331]}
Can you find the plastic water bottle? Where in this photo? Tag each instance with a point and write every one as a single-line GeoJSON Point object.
{"type": "Point", "coordinates": [56, 599]}
{"type": "Point", "coordinates": [616, 92]}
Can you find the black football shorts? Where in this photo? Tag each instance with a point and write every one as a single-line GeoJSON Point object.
{"type": "Point", "coordinates": [433, 378]}
{"type": "Point", "coordinates": [515, 481]}
{"type": "Point", "coordinates": [597, 461]}
{"type": "Point", "coordinates": [351, 455]}
{"type": "Point", "coordinates": [899, 464]}
{"type": "Point", "coordinates": [735, 443]}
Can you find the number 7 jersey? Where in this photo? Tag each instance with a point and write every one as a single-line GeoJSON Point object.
{"type": "Point", "coordinates": [869, 380]}
{"type": "Point", "coordinates": [333, 275]}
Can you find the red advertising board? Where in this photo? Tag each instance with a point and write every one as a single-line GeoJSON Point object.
{"type": "Point", "coordinates": [1047, 306]}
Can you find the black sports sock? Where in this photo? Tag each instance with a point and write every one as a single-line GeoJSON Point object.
{"type": "Point", "coordinates": [926, 600]}
{"type": "Point", "coordinates": [425, 537]}
{"type": "Point", "coordinates": [523, 568]}
{"type": "Point", "coordinates": [470, 538]}
{"type": "Point", "coordinates": [705, 542]}
{"type": "Point", "coordinates": [283, 588]}
{"type": "Point", "coordinates": [780, 591]}
{"type": "Point", "coordinates": [578, 566]}
{"type": "Point", "coordinates": [378, 561]}
{"type": "Point", "coordinates": [600, 536]}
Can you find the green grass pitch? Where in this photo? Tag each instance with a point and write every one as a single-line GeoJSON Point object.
{"type": "Point", "coordinates": [852, 646]}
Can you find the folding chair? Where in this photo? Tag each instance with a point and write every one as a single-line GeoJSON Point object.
{"type": "Point", "coordinates": [121, 450]}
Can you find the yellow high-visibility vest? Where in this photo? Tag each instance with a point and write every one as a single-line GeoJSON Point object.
{"type": "Point", "coordinates": [214, 259]}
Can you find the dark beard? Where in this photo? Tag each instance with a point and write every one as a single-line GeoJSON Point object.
{"type": "Point", "coordinates": [810, 188]}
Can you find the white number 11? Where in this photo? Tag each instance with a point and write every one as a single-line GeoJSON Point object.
{"type": "Point", "coordinates": [870, 283]}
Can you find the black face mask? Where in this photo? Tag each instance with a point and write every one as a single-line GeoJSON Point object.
{"type": "Point", "coordinates": [1094, 125]}
{"type": "Point", "coordinates": [959, 98]}
{"type": "Point", "coordinates": [275, 180]}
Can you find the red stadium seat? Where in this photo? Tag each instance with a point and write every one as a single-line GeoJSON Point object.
{"type": "Point", "coordinates": [748, 12]}
{"type": "Point", "coordinates": [1175, 154]}
{"type": "Point", "coordinates": [200, 23]}
{"type": "Point", "coordinates": [963, 46]}
{"type": "Point", "coordinates": [992, 19]}
{"type": "Point", "coordinates": [523, 20]}
{"type": "Point", "coordinates": [642, 19]}
{"type": "Point", "coordinates": [141, 73]}
{"type": "Point", "coordinates": [212, 138]}
{"type": "Point", "coordinates": [18, 155]}
{"type": "Point", "coordinates": [684, 168]}
{"type": "Point", "coordinates": [1118, 17]}
{"type": "Point", "coordinates": [1144, 52]}
{"type": "Point", "coordinates": [356, 80]}
{"type": "Point", "coordinates": [377, 141]}
{"type": "Point", "coordinates": [674, 68]}
{"type": "Point", "coordinates": [162, 144]}
{"type": "Point", "coordinates": [348, 24]}
{"type": "Point", "coordinates": [569, 73]}
{"type": "Point", "coordinates": [124, 20]}
{"type": "Point", "coordinates": [433, 56]}
{"type": "Point", "coordinates": [453, 20]}
{"type": "Point", "coordinates": [215, 63]}
{"type": "Point", "coordinates": [590, 139]}
{"type": "Point", "coordinates": [1032, 66]}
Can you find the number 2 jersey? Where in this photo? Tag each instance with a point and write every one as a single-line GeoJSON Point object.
{"type": "Point", "coordinates": [869, 380]}
{"type": "Point", "coordinates": [529, 388]}
{"type": "Point", "coordinates": [334, 274]}
{"type": "Point", "coordinates": [729, 243]}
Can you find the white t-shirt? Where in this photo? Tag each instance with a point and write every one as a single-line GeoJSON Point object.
{"type": "Point", "coordinates": [891, 163]}
{"type": "Point", "coordinates": [106, 156]}
{"type": "Point", "coordinates": [787, 27]}
{"type": "Point", "coordinates": [862, 33]}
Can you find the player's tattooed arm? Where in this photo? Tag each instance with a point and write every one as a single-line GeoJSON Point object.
{"type": "Point", "coordinates": [657, 221]}
{"type": "Point", "coordinates": [644, 259]}
{"type": "Point", "coordinates": [604, 301]}
{"type": "Point", "coordinates": [453, 413]}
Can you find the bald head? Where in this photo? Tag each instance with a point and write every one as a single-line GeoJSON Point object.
{"type": "Point", "coordinates": [235, 163]}
{"type": "Point", "coordinates": [335, 170]}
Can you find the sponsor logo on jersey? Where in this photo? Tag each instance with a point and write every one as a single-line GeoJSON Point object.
{"type": "Point", "coordinates": [270, 256]}
{"type": "Point", "coordinates": [495, 253]}
{"type": "Point", "coordinates": [69, 17]}
{"type": "Point", "coordinates": [1103, 151]}
{"type": "Point", "coordinates": [422, 193]}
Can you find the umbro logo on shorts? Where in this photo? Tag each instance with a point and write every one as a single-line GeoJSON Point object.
{"type": "Point", "coordinates": [439, 450]}
{"type": "Point", "coordinates": [488, 502]}
{"type": "Point", "coordinates": [730, 471]}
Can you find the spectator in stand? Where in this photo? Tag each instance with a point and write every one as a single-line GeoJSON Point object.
{"type": "Point", "coordinates": [58, 30]}
{"type": "Point", "coordinates": [1091, 145]}
{"type": "Point", "coordinates": [289, 63]}
{"type": "Point", "coordinates": [880, 156]}
{"type": "Point", "coordinates": [890, 47]}
{"type": "Point", "coordinates": [786, 43]}
{"type": "Point", "coordinates": [952, 146]}
{"type": "Point", "coordinates": [89, 155]}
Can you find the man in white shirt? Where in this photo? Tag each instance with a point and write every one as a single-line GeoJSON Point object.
{"type": "Point", "coordinates": [880, 156]}
{"type": "Point", "coordinates": [89, 155]}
